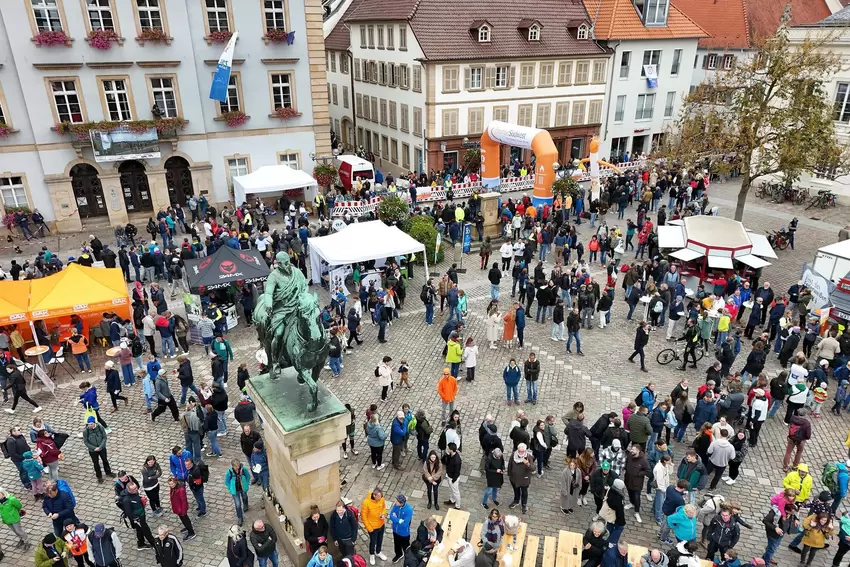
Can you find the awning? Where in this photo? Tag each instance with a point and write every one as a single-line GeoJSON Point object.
{"type": "Point", "coordinates": [78, 289]}
{"type": "Point", "coordinates": [225, 267]}
{"type": "Point", "coordinates": [686, 254]}
{"type": "Point", "coordinates": [270, 179]}
{"type": "Point", "coordinates": [761, 247]}
{"type": "Point", "coordinates": [720, 262]}
{"type": "Point", "coordinates": [752, 261]}
{"type": "Point", "coordinates": [671, 237]}
{"type": "Point", "coordinates": [14, 301]}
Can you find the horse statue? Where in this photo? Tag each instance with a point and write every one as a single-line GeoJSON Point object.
{"type": "Point", "coordinates": [302, 344]}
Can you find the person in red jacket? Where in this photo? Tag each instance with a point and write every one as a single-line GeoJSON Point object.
{"type": "Point", "coordinates": [50, 453]}
{"type": "Point", "coordinates": [180, 506]}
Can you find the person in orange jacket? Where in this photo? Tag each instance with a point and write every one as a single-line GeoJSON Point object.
{"type": "Point", "coordinates": [373, 512]}
{"type": "Point", "coordinates": [447, 388]}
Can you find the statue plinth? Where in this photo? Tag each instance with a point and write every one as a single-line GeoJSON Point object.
{"type": "Point", "coordinates": [490, 212]}
{"type": "Point", "coordinates": [303, 452]}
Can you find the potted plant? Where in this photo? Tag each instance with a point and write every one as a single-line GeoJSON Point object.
{"type": "Point", "coordinates": [153, 35]}
{"type": "Point", "coordinates": [275, 35]}
{"type": "Point", "coordinates": [221, 36]}
{"type": "Point", "coordinates": [234, 118]}
{"type": "Point", "coordinates": [49, 38]}
{"type": "Point", "coordinates": [102, 39]}
{"type": "Point", "coordinates": [285, 112]}
{"type": "Point", "coordinates": [324, 174]}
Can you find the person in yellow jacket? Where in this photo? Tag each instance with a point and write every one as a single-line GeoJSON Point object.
{"type": "Point", "coordinates": [816, 530]}
{"type": "Point", "coordinates": [723, 326]}
{"type": "Point", "coordinates": [454, 353]}
{"type": "Point", "coordinates": [800, 480]}
{"type": "Point", "coordinates": [373, 512]}
{"type": "Point", "coordinates": [459, 214]}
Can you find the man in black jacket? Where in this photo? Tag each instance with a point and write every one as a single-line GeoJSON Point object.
{"type": "Point", "coordinates": [134, 511]}
{"type": "Point", "coordinates": [108, 257]}
{"type": "Point", "coordinates": [187, 379]}
{"type": "Point", "coordinates": [264, 540]}
{"type": "Point", "coordinates": [169, 551]}
{"type": "Point", "coordinates": [495, 277]}
{"type": "Point", "coordinates": [452, 462]}
{"type": "Point", "coordinates": [597, 430]}
{"type": "Point", "coordinates": [15, 446]}
{"type": "Point", "coordinates": [532, 373]}
{"type": "Point", "coordinates": [519, 434]}
{"type": "Point", "coordinates": [641, 339]}
{"type": "Point", "coordinates": [600, 481]}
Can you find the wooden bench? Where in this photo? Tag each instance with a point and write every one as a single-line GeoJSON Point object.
{"type": "Point", "coordinates": [549, 551]}
{"type": "Point", "coordinates": [453, 530]}
{"type": "Point", "coordinates": [569, 549]}
{"type": "Point", "coordinates": [513, 546]}
{"type": "Point", "coordinates": [635, 553]}
{"type": "Point", "coordinates": [476, 536]}
{"type": "Point", "coordinates": [531, 545]}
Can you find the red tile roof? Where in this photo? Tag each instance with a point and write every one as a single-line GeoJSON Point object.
{"type": "Point", "coordinates": [725, 20]}
{"type": "Point", "coordinates": [763, 15]}
{"type": "Point", "coordinates": [618, 19]}
{"type": "Point", "coordinates": [339, 39]}
{"type": "Point", "coordinates": [382, 10]}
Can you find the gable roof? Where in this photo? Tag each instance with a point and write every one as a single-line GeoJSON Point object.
{"type": "Point", "coordinates": [383, 10]}
{"type": "Point", "coordinates": [725, 20]}
{"type": "Point", "coordinates": [763, 15]}
{"type": "Point", "coordinates": [618, 19]}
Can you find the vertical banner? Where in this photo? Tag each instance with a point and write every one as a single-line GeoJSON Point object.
{"type": "Point", "coordinates": [221, 79]}
{"type": "Point", "coordinates": [437, 246]}
{"type": "Point", "coordinates": [467, 237]}
{"type": "Point", "coordinates": [651, 72]}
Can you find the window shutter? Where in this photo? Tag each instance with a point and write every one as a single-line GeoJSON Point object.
{"type": "Point", "coordinates": [705, 61]}
{"type": "Point", "coordinates": [466, 79]}
{"type": "Point", "coordinates": [490, 75]}
{"type": "Point", "coordinates": [512, 77]}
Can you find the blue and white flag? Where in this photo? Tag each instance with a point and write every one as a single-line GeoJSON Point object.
{"type": "Point", "coordinates": [651, 72]}
{"type": "Point", "coordinates": [221, 79]}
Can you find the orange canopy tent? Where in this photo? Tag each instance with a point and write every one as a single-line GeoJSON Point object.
{"type": "Point", "coordinates": [78, 290]}
{"type": "Point", "coordinates": [14, 301]}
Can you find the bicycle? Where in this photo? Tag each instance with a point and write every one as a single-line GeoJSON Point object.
{"type": "Point", "coordinates": [668, 355]}
{"type": "Point", "coordinates": [823, 199]}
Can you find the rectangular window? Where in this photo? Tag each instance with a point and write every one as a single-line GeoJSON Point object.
{"type": "Point", "coordinates": [500, 113]}
{"type": "Point", "coordinates": [578, 117]}
{"type": "Point", "coordinates": [217, 15]}
{"type": "Point", "coordinates": [371, 33]}
{"type": "Point", "coordinates": [374, 108]}
{"type": "Point", "coordinates": [282, 91]}
{"type": "Point", "coordinates": [333, 62]}
{"type": "Point", "coordinates": [344, 96]}
{"type": "Point", "coordinates": [404, 77]}
{"type": "Point", "coordinates": [384, 111]}
{"type": "Point", "coordinates": [357, 70]}
{"type": "Point", "coordinates": [599, 71]}
{"type": "Point", "coordinates": [547, 75]}
{"type": "Point", "coordinates": [645, 105]}
{"type": "Point", "coordinates": [402, 37]}
{"type": "Point", "coordinates": [711, 61]}
{"type": "Point", "coordinates": [417, 121]}
{"type": "Point", "coordinates": [668, 104]}
{"type": "Point", "coordinates": [382, 73]}
{"type": "Point", "coordinates": [343, 63]}
{"type": "Point", "coordinates": [544, 115]}
{"type": "Point", "coordinates": [47, 16]}
{"type": "Point", "coordinates": [656, 12]}
{"type": "Point", "coordinates": [13, 192]}
{"type": "Point", "coordinates": [117, 99]}
{"type": "Point", "coordinates": [417, 78]}
{"type": "Point", "coordinates": [625, 64]}
{"type": "Point", "coordinates": [450, 122]}
{"type": "Point", "coordinates": [677, 62]}
{"type": "Point", "coordinates": [524, 112]}
{"type": "Point", "coordinates": [476, 120]}
{"type": "Point", "coordinates": [164, 95]}
{"type": "Point", "coordinates": [501, 80]}
{"type": "Point", "coordinates": [67, 102]}
{"type": "Point", "coordinates": [150, 14]}
{"type": "Point", "coordinates": [393, 114]}
{"type": "Point", "coordinates": [376, 143]}
{"type": "Point", "coordinates": [841, 112]}
{"type": "Point", "coordinates": [394, 150]}
{"type": "Point", "coordinates": [100, 16]}
{"type": "Point", "coordinates": [405, 118]}
{"type": "Point", "coordinates": [366, 110]}
{"type": "Point", "coordinates": [334, 95]}
{"type": "Point", "coordinates": [358, 105]}
{"type": "Point", "coordinates": [275, 14]}
{"type": "Point", "coordinates": [393, 75]}
{"type": "Point", "coordinates": [405, 155]}
{"type": "Point", "coordinates": [526, 75]}
{"type": "Point", "coordinates": [728, 61]}
{"type": "Point", "coordinates": [450, 80]}
{"type": "Point", "coordinates": [363, 36]}
{"type": "Point", "coordinates": [380, 37]}
{"type": "Point", "coordinates": [650, 57]}
{"type": "Point", "coordinates": [236, 167]}
{"type": "Point", "coordinates": [620, 109]}
{"type": "Point", "coordinates": [582, 72]}
{"type": "Point", "coordinates": [390, 37]}
{"type": "Point", "coordinates": [562, 114]}
{"type": "Point", "coordinates": [594, 112]}
{"type": "Point", "coordinates": [474, 78]}
{"type": "Point", "coordinates": [565, 73]}
{"type": "Point", "coordinates": [385, 147]}
{"type": "Point", "coordinates": [289, 159]}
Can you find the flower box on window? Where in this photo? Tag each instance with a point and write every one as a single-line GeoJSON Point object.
{"type": "Point", "coordinates": [222, 36]}
{"type": "Point", "coordinates": [102, 39]}
{"type": "Point", "coordinates": [153, 35]}
{"type": "Point", "coordinates": [81, 131]}
{"type": "Point", "coordinates": [48, 38]}
{"type": "Point", "coordinates": [286, 113]}
{"type": "Point", "coordinates": [275, 35]}
{"type": "Point", "coordinates": [4, 130]}
{"type": "Point", "coordinates": [234, 118]}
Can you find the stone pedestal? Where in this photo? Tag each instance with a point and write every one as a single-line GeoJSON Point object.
{"type": "Point", "coordinates": [490, 210]}
{"type": "Point", "coordinates": [64, 205]}
{"type": "Point", "coordinates": [114, 196]}
{"type": "Point", "coordinates": [303, 453]}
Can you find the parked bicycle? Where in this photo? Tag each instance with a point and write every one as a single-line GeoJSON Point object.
{"type": "Point", "coordinates": [778, 239]}
{"type": "Point", "coordinates": [668, 355]}
{"type": "Point", "coordinates": [825, 198]}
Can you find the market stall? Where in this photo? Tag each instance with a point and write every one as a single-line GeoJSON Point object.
{"type": "Point", "coordinates": [14, 301]}
{"type": "Point", "coordinates": [360, 242]}
{"type": "Point", "coordinates": [273, 179]}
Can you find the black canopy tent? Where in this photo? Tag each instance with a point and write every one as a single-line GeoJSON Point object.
{"type": "Point", "coordinates": [225, 267]}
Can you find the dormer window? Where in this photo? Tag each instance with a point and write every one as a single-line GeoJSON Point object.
{"type": "Point", "coordinates": [652, 12]}
{"type": "Point", "coordinates": [534, 33]}
{"type": "Point", "coordinates": [583, 32]}
{"type": "Point", "coordinates": [484, 34]}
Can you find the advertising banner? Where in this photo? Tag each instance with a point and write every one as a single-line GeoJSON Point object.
{"type": "Point", "coordinates": [123, 143]}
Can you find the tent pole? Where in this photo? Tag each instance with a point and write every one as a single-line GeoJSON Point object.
{"type": "Point", "coordinates": [425, 256]}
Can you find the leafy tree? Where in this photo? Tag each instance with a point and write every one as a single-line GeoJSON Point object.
{"type": "Point", "coordinates": [472, 159]}
{"type": "Point", "coordinates": [394, 211]}
{"type": "Point", "coordinates": [565, 186]}
{"type": "Point", "coordinates": [766, 115]}
{"type": "Point", "coordinates": [423, 230]}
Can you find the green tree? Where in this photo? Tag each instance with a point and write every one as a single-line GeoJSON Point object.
{"type": "Point", "coordinates": [423, 230]}
{"type": "Point", "coordinates": [394, 211]}
{"type": "Point", "coordinates": [565, 186]}
{"type": "Point", "coordinates": [472, 159]}
{"type": "Point", "coordinates": [767, 114]}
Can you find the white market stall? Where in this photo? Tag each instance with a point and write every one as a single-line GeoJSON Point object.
{"type": "Point", "coordinates": [361, 242]}
{"type": "Point", "coordinates": [272, 179]}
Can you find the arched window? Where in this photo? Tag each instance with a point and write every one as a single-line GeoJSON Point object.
{"type": "Point", "coordinates": [484, 33]}
{"type": "Point", "coordinates": [534, 33]}
{"type": "Point", "coordinates": [582, 32]}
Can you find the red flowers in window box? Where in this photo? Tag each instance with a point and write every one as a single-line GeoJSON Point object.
{"type": "Point", "coordinates": [222, 36]}
{"type": "Point", "coordinates": [285, 113]}
{"type": "Point", "coordinates": [49, 38]}
{"type": "Point", "coordinates": [235, 118]}
{"type": "Point", "coordinates": [324, 174]}
{"type": "Point", "coordinates": [275, 35]}
{"type": "Point", "coordinates": [154, 35]}
{"type": "Point", "coordinates": [102, 39]}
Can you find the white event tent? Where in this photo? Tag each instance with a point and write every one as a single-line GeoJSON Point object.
{"type": "Point", "coordinates": [271, 179]}
{"type": "Point", "coordinates": [360, 242]}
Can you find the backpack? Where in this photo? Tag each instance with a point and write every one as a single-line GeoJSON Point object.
{"type": "Point", "coordinates": [377, 372]}
{"type": "Point", "coordinates": [63, 486]}
{"type": "Point", "coordinates": [4, 447]}
{"type": "Point", "coordinates": [205, 472]}
{"type": "Point", "coordinates": [423, 295]}
{"type": "Point", "coordinates": [357, 561]}
{"type": "Point", "coordinates": [441, 443]}
{"type": "Point", "coordinates": [795, 433]}
{"type": "Point", "coordinates": [658, 307]}
{"type": "Point", "coordinates": [639, 398]}
{"type": "Point", "coordinates": [355, 511]}
{"type": "Point", "coordinates": [829, 477]}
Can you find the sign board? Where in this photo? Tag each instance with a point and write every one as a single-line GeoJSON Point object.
{"type": "Point", "coordinates": [122, 143]}
{"type": "Point", "coordinates": [819, 286]}
{"type": "Point", "coordinates": [467, 237]}
{"type": "Point", "coordinates": [45, 379]}
{"type": "Point", "coordinates": [337, 282]}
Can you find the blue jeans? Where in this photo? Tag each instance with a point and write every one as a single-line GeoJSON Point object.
{"type": "Point", "coordinates": [455, 369]}
{"type": "Point", "coordinates": [797, 539]}
{"type": "Point", "coordinates": [429, 313]}
{"type": "Point", "coordinates": [531, 390]}
{"type": "Point", "coordinates": [240, 500]}
{"type": "Point", "coordinates": [185, 390]}
{"type": "Point", "coordinates": [777, 346]}
{"type": "Point", "coordinates": [494, 291]}
{"type": "Point", "coordinates": [422, 449]}
{"type": "Point", "coordinates": [772, 546]}
{"type": "Point", "coordinates": [540, 456]}
{"type": "Point", "coordinates": [213, 440]}
{"type": "Point", "coordinates": [670, 202]}
{"type": "Point", "coordinates": [570, 337]}
{"type": "Point", "coordinates": [631, 311]}
{"type": "Point", "coordinates": [603, 255]}
{"type": "Point", "coordinates": [721, 337]}
{"type": "Point", "coordinates": [273, 559]}
{"type": "Point", "coordinates": [660, 496]}
{"type": "Point", "coordinates": [490, 491]}
{"type": "Point", "coordinates": [614, 533]}
{"type": "Point", "coordinates": [593, 219]}
{"type": "Point", "coordinates": [544, 249]}
{"type": "Point", "coordinates": [334, 363]}
{"type": "Point", "coordinates": [679, 432]}
{"type": "Point", "coordinates": [512, 390]}
{"type": "Point", "coordinates": [192, 441]}
{"type": "Point", "coordinates": [168, 346]}
{"type": "Point", "coordinates": [774, 407]}
{"type": "Point", "coordinates": [541, 309]}
{"type": "Point", "coordinates": [222, 421]}
{"type": "Point", "coordinates": [198, 493]}
{"type": "Point", "coordinates": [83, 359]}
